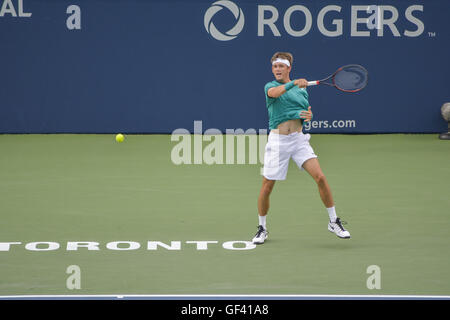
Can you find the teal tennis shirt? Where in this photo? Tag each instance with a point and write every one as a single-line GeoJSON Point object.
{"type": "Point", "coordinates": [287, 106]}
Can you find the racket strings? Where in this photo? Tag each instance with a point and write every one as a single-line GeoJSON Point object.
{"type": "Point", "coordinates": [351, 78]}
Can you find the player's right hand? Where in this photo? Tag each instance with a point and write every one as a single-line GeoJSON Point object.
{"type": "Point", "coordinates": [301, 83]}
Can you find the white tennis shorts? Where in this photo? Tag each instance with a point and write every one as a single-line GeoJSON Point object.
{"type": "Point", "coordinates": [281, 148]}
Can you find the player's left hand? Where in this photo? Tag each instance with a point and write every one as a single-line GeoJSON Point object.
{"type": "Point", "coordinates": [307, 115]}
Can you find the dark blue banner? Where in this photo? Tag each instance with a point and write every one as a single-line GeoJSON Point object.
{"type": "Point", "coordinates": [136, 66]}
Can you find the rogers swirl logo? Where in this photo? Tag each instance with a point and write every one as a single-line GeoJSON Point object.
{"type": "Point", "coordinates": [235, 10]}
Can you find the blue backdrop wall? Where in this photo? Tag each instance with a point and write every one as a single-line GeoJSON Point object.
{"type": "Point", "coordinates": [136, 66]}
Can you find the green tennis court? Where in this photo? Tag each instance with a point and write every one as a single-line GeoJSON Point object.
{"type": "Point", "coordinates": [59, 189]}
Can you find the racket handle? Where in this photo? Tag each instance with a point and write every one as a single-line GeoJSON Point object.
{"type": "Point", "coordinates": [313, 83]}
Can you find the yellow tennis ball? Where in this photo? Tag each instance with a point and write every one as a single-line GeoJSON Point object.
{"type": "Point", "coordinates": [120, 137]}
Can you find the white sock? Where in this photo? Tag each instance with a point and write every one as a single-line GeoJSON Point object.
{"type": "Point", "coordinates": [262, 221]}
{"type": "Point", "coordinates": [332, 214]}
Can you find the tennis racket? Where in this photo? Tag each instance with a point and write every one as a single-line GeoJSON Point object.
{"type": "Point", "coordinates": [349, 78]}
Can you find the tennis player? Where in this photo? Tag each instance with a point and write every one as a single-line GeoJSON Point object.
{"type": "Point", "coordinates": [288, 107]}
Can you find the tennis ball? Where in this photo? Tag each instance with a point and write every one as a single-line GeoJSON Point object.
{"type": "Point", "coordinates": [120, 137]}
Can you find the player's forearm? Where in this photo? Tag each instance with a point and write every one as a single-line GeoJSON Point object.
{"type": "Point", "coordinates": [280, 90]}
{"type": "Point", "coordinates": [275, 92]}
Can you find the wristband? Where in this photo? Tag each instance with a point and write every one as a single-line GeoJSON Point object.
{"type": "Point", "coordinates": [289, 85]}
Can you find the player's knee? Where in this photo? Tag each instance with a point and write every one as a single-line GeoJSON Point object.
{"type": "Point", "coordinates": [267, 187]}
{"type": "Point", "coordinates": [320, 178]}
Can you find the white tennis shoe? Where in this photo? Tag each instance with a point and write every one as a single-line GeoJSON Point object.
{"type": "Point", "coordinates": [260, 236]}
{"type": "Point", "coordinates": [337, 228]}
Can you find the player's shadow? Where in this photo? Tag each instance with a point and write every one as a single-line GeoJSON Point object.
{"type": "Point", "coordinates": [344, 244]}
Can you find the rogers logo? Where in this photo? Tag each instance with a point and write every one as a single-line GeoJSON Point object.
{"type": "Point", "coordinates": [298, 21]}
{"type": "Point", "coordinates": [211, 28]}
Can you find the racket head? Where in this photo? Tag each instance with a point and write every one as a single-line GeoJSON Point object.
{"type": "Point", "coordinates": [351, 78]}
